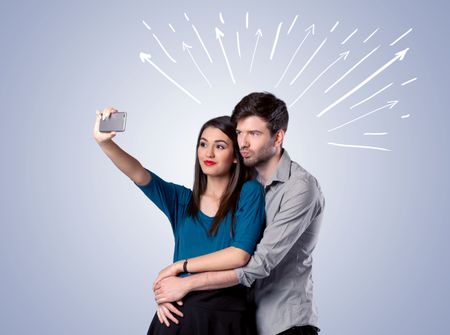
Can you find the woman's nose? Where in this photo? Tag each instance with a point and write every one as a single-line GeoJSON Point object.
{"type": "Point", "coordinates": [210, 152]}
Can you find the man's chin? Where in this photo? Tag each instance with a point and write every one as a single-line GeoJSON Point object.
{"type": "Point", "coordinates": [249, 162]}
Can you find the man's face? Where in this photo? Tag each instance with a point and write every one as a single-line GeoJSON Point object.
{"type": "Point", "coordinates": [255, 142]}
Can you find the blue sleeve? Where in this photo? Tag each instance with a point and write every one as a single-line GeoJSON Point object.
{"type": "Point", "coordinates": [170, 198]}
{"type": "Point", "coordinates": [250, 217]}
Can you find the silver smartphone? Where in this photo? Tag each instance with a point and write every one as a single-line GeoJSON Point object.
{"type": "Point", "coordinates": [115, 122]}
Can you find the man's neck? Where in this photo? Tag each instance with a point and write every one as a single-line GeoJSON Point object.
{"type": "Point", "coordinates": [266, 170]}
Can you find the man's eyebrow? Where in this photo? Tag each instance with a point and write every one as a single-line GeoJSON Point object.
{"type": "Point", "coordinates": [250, 131]}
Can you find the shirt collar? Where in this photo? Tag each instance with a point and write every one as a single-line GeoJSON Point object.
{"type": "Point", "coordinates": [282, 171]}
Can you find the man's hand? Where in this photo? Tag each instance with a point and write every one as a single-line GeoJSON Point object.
{"type": "Point", "coordinates": [168, 271]}
{"type": "Point", "coordinates": [164, 312]}
{"type": "Point", "coordinates": [170, 289]}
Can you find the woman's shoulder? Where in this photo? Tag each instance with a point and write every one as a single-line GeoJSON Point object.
{"type": "Point", "coordinates": [159, 185]}
{"type": "Point", "coordinates": [251, 186]}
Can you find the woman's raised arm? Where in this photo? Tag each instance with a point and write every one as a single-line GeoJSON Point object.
{"type": "Point", "coordinates": [126, 163]}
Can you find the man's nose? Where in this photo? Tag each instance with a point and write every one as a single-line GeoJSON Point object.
{"type": "Point", "coordinates": [243, 141]}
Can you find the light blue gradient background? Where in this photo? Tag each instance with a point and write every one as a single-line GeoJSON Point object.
{"type": "Point", "coordinates": [80, 245]}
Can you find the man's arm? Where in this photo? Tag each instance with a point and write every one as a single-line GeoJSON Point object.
{"type": "Point", "coordinates": [175, 288]}
{"type": "Point", "coordinates": [301, 205]}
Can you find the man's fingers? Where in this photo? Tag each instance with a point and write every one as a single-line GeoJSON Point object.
{"type": "Point", "coordinates": [175, 310]}
{"type": "Point", "coordinates": [169, 315]}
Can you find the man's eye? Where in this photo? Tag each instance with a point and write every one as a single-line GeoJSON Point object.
{"type": "Point", "coordinates": [254, 133]}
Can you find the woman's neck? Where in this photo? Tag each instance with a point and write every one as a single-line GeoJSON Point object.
{"type": "Point", "coordinates": [216, 186]}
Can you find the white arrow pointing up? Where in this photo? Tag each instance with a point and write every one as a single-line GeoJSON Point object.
{"type": "Point", "coordinates": [398, 56]}
{"type": "Point", "coordinates": [219, 36]}
{"type": "Point", "coordinates": [389, 105]}
{"type": "Point", "coordinates": [341, 56]}
{"type": "Point", "coordinates": [187, 48]}
{"type": "Point", "coordinates": [147, 58]}
{"type": "Point", "coordinates": [258, 36]}
{"type": "Point", "coordinates": [309, 30]}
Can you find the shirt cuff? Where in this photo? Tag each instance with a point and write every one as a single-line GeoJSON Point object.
{"type": "Point", "coordinates": [241, 277]}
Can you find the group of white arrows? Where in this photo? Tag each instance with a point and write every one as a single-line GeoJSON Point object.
{"type": "Point", "coordinates": [400, 55]}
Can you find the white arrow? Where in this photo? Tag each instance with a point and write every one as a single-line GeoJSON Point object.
{"type": "Point", "coordinates": [147, 58]}
{"type": "Point", "coordinates": [351, 69]}
{"type": "Point", "coordinates": [187, 48]}
{"type": "Point", "coordinates": [307, 63]}
{"type": "Point", "coordinates": [309, 30]}
{"type": "Point", "coordinates": [389, 105]}
{"type": "Point", "coordinates": [258, 36]}
{"type": "Point", "coordinates": [292, 24]}
{"type": "Point", "coordinates": [341, 56]}
{"type": "Point", "coordinates": [398, 56]}
{"type": "Point", "coordinates": [203, 44]}
{"type": "Point", "coordinates": [219, 36]}
{"type": "Point", "coordinates": [372, 96]}
{"type": "Point", "coordinates": [357, 146]}
{"type": "Point", "coordinates": [164, 49]}
{"type": "Point", "coordinates": [238, 44]}
{"type": "Point", "coordinates": [275, 42]}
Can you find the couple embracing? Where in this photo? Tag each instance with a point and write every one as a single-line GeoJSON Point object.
{"type": "Point", "coordinates": [244, 234]}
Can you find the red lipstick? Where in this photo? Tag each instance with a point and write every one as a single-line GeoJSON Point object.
{"type": "Point", "coordinates": [209, 163]}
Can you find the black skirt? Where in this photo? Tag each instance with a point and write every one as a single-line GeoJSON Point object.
{"type": "Point", "coordinates": [213, 312]}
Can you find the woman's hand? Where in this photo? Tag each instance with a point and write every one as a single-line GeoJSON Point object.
{"type": "Point", "coordinates": [169, 271]}
{"type": "Point", "coordinates": [164, 312]}
{"type": "Point", "coordinates": [99, 136]}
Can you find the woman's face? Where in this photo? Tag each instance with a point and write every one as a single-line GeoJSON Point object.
{"type": "Point", "coordinates": [215, 152]}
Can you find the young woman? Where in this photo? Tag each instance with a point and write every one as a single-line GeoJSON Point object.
{"type": "Point", "coordinates": [216, 226]}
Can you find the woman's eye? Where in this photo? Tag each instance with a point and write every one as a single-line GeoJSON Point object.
{"type": "Point", "coordinates": [203, 144]}
{"type": "Point", "coordinates": [221, 147]}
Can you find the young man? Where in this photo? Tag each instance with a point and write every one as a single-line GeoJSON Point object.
{"type": "Point", "coordinates": [280, 269]}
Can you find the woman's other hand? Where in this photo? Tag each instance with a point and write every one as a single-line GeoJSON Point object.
{"type": "Point", "coordinates": [169, 271]}
{"type": "Point", "coordinates": [165, 313]}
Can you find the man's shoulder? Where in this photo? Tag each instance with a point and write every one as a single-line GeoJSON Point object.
{"type": "Point", "coordinates": [299, 175]}
{"type": "Point", "coordinates": [302, 187]}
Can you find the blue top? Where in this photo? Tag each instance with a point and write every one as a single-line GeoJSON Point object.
{"type": "Point", "coordinates": [191, 236]}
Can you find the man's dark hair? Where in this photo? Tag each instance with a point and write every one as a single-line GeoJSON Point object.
{"type": "Point", "coordinates": [265, 105]}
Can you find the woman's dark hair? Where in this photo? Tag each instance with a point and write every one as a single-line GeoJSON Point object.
{"type": "Point", "coordinates": [265, 105]}
{"type": "Point", "coordinates": [238, 175]}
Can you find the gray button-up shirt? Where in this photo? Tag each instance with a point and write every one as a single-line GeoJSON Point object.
{"type": "Point", "coordinates": [280, 268]}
